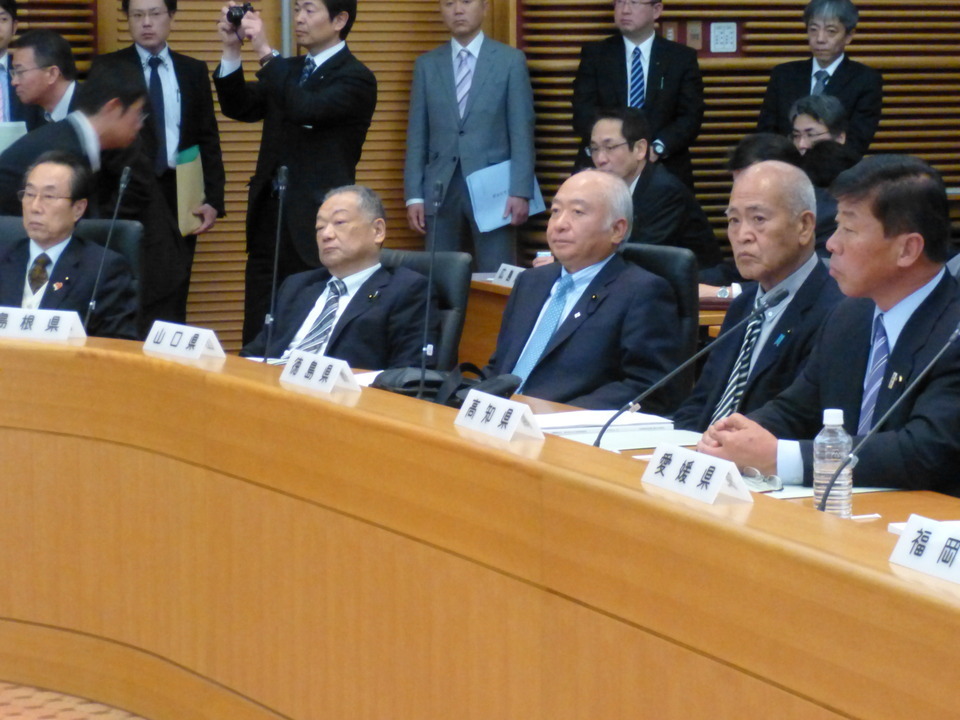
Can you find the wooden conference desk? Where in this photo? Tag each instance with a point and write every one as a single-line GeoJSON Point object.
{"type": "Point", "coordinates": [189, 543]}
{"type": "Point", "coordinates": [485, 308]}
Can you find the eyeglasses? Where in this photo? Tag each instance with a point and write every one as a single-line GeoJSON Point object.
{"type": "Point", "coordinates": [634, 4]}
{"type": "Point", "coordinates": [597, 149]}
{"type": "Point", "coordinates": [16, 72]}
{"type": "Point", "coordinates": [797, 136]}
{"type": "Point", "coordinates": [29, 196]}
{"type": "Point", "coordinates": [154, 15]}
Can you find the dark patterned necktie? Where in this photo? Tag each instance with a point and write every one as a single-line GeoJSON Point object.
{"type": "Point", "coordinates": [37, 277]}
{"type": "Point", "coordinates": [320, 332]}
{"type": "Point", "coordinates": [161, 163]}
{"type": "Point", "coordinates": [308, 67]}
{"type": "Point", "coordinates": [737, 383]}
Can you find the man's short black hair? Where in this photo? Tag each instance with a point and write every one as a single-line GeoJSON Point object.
{"type": "Point", "coordinates": [825, 160]}
{"type": "Point", "coordinates": [906, 195]}
{"type": "Point", "coordinates": [171, 6]}
{"type": "Point", "coordinates": [636, 126]}
{"type": "Point", "coordinates": [49, 50]}
{"type": "Point", "coordinates": [824, 109]}
{"type": "Point", "coordinates": [80, 179]}
{"type": "Point", "coordinates": [10, 6]}
{"type": "Point", "coordinates": [762, 146]}
{"type": "Point", "coordinates": [107, 81]}
{"type": "Point", "coordinates": [843, 10]}
{"type": "Point", "coordinates": [335, 7]}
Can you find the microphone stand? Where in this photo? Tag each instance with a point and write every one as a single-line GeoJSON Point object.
{"type": "Point", "coordinates": [124, 181]}
{"type": "Point", "coordinates": [768, 302]}
{"type": "Point", "coordinates": [426, 347]}
{"type": "Point", "coordinates": [268, 320]}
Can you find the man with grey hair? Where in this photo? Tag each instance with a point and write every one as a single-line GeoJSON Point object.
{"type": "Point", "coordinates": [830, 27]}
{"type": "Point", "coordinates": [352, 308]}
{"type": "Point", "coordinates": [590, 329]}
{"type": "Point", "coordinates": [770, 224]}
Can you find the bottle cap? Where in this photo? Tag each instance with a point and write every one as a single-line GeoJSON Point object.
{"type": "Point", "coordinates": [833, 416]}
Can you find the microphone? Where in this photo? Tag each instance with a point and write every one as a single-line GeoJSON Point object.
{"type": "Point", "coordinates": [770, 301]}
{"type": "Point", "coordinates": [852, 459]}
{"type": "Point", "coordinates": [91, 306]}
{"type": "Point", "coordinates": [427, 348]}
{"type": "Point", "coordinates": [282, 177]}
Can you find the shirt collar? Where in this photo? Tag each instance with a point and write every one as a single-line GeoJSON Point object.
{"type": "Point", "coordinates": [88, 138]}
{"type": "Point", "coordinates": [791, 284]}
{"type": "Point", "coordinates": [831, 68]}
{"type": "Point", "coordinates": [321, 57]}
{"type": "Point", "coordinates": [145, 55]}
{"type": "Point", "coordinates": [896, 318]}
{"type": "Point", "coordinates": [583, 277]}
{"type": "Point", "coordinates": [645, 46]}
{"type": "Point", "coordinates": [355, 281]}
{"type": "Point", "coordinates": [53, 253]}
{"type": "Point", "coordinates": [62, 107]}
{"type": "Point", "coordinates": [5, 61]}
{"type": "Point", "coordinates": [473, 47]}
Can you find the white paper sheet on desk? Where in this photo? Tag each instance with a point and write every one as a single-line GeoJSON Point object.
{"type": "Point", "coordinates": [564, 423]}
{"type": "Point", "coordinates": [489, 189]}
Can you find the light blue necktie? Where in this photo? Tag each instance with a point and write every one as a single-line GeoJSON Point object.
{"type": "Point", "coordinates": [544, 331]}
{"type": "Point", "coordinates": [871, 388]}
{"type": "Point", "coordinates": [637, 85]}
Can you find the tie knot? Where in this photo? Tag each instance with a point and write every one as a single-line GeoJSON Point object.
{"type": "Point", "coordinates": [564, 285]}
{"type": "Point", "coordinates": [336, 287]}
{"type": "Point", "coordinates": [42, 261]}
{"type": "Point", "coordinates": [821, 75]}
{"type": "Point", "coordinates": [155, 61]}
{"type": "Point", "coordinates": [463, 56]}
{"type": "Point", "coordinates": [636, 54]}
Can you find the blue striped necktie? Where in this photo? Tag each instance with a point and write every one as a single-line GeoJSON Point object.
{"type": "Point", "coordinates": [544, 331]}
{"type": "Point", "coordinates": [320, 332]}
{"type": "Point", "coordinates": [308, 67]}
{"type": "Point", "coordinates": [871, 388]}
{"type": "Point", "coordinates": [637, 85]}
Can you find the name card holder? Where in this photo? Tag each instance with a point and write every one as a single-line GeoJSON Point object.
{"type": "Point", "coordinates": [497, 416]}
{"type": "Point", "coordinates": [931, 547]}
{"type": "Point", "coordinates": [318, 373]}
{"type": "Point", "coordinates": [43, 325]}
{"type": "Point", "coordinates": [182, 341]}
{"type": "Point", "coordinates": [507, 275]}
{"type": "Point", "coordinates": [695, 475]}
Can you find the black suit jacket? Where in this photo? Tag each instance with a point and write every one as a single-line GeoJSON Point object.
{"type": "Point", "coordinates": [198, 122]}
{"type": "Point", "coordinates": [620, 337]}
{"type": "Point", "coordinates": [317, 131]}
{"type": "Point", "coordinates": [674, 96]}
{"type": "Point", "coordinates": [665, 212]}
{"type": "Point", "coordinates": [71, 285]}
{"type": "Point", "coordinates": [780, 360]}
{"type": "Point", "coordinates": [858, 87]}
{"type": "Point", "coordinates": [919, 446]}
{"type": "Point", "coordinates": [381, 327]}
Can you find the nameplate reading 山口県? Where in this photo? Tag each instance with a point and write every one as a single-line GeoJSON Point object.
{"type": "Point", "coordinates": [931, 547]}
{"type": "Point", "coordinates": [696, 475]}
{"type": "Point", "coordinates": [318, 373]}
{"type": "Point", "coordinates": [506, 275]}
{"type": "Point", "coordinates": [182, 341]}
{"type": "Point", "coordinates": [47, 325]}
{"type": "Point", "coordinates": [497, 416]}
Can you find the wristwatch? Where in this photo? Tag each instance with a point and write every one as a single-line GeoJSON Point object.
{"type": "Point", "coordinates": [724, 292]}
{"type": "Point", "coordinates": [659, 148]}
{"type": "Point", "coordinates": [267, 58]}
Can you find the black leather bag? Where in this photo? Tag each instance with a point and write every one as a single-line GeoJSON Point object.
{"type": "Point", "coordinates": [446, 387]}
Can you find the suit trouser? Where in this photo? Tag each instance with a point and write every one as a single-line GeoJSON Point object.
{"type": "Point", "coordinates": [454, 228]}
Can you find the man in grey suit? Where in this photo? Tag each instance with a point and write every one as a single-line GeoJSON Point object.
{"type": "Point", "coordinates": [471, 107]}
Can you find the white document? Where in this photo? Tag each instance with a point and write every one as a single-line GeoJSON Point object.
{"type": "Point", "coordinates": [565, 423]}
{"type": "Point", "coordinates": [489, 189]}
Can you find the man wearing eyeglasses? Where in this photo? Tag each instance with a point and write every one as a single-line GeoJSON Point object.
{"type": "Point", "coordinates": [816, 118]}
{"type": "Point", "coordinates": [54, 269]}
{"type": "Point", "coordinates": [44, 75]}
{"type": "Point", "coordinates": [181, 116]}
{"type": "Point", "coordinates": [637, 68]}
{"type": "Point", "coordinates": [11, 109]}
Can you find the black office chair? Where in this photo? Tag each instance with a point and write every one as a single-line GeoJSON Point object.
{"type": "Point", "coordinates": [451, 281]}
{"type": "Point", "coordinates": [678, 266]}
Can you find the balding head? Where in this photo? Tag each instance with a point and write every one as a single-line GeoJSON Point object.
{"type": "Point", "coordinates": [770, 221]}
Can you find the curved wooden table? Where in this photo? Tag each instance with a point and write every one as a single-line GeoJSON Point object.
{"type": "Point", "coordinates": [201, 543]}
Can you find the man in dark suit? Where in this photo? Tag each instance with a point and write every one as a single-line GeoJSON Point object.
{"type": "Point", "coordinates": [471, 101]}
{"type": "Point", "coordinates": [770, 223]}
{"type": "Point", "coordinates": [352, 308]}
{"type": "Point", "coordinates": [316, 110]}
{"type": "Point", "coordinates": [44, 76]}
{"type": "Point", "coordinates": [11, 109]}
{"type": "Point", "coordinates": [661, 77]}
{"type": "Point", "coordinates": [888, 257]}
{"type": "Point", "coordinates": [182, 101]}
{"type": "Point", "coordinates": [830, 26]}
{"type": "Point", "coordinates": [54, 269]}
{"type": "Point", "coordinates": [665, 212]}
{"type": "Point", "coordinates": [589, 330]}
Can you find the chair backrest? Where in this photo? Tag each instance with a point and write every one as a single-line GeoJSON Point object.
{"type": "Point", "coordinates": [451, 281]}
{"type": "Point", "coordinates": [678, 266]}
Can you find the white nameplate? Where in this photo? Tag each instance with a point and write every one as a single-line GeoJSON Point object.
{"type": "Point", "coordinates": [183, 341]}
{"type": "Point", "coordinates": [318, 372]}
{"type": "Point", "coordinates": [497, 416]}
{"type": "Point", "coordinates": [696, 475]}
{"type": "Point", "coordinates": [49, 325]}
{"type": "Point", "coordinates": [931, 547]}
{"type": "Point", "coordinates": [507, 275]}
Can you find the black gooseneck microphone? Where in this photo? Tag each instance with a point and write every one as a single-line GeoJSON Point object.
{"type": "Point", "coordinates": [771, 300]}
{"type": "Point", "coordinates": [427, 347]}
{"type": "Point", "coordinates": [282, 177]}
{"type": "Point", "coordinates": [851, 459]}
{"type": "Point", "coordinates": [124, 181]}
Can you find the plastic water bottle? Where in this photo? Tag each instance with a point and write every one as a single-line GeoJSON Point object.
{"type": "Point", "coordinates": [830, 448]}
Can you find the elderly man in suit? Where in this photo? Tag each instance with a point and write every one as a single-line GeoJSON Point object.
{"type": "Point", "coordinates": [637, 68]}
{"type": "Point", "coordinates": [352, 308]}
{"type": "Point", "coordinates": [471, 106]}
{"type": "Point", "coordinates": [830, 27]}
{"type": "Point", "coordinates": [316, 109]}
{"type": "Point", "coordinates": [590, 329]}
{"type": "Point", "coordinates": [770, 223]}
{"type": "Point", "coordinates": [54, 269]}
{"type": "Point", "coordinates": [888, 257]}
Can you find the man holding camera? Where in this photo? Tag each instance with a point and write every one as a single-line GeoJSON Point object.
{"type": "Point", "coordinates": [316, 109]}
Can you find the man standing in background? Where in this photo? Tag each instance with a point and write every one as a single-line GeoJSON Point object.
{"type": "Point", "coordinates": [11, 109]}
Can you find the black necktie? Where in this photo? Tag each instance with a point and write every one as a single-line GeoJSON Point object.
{"type": "Point", "coordinates": [160, 163]}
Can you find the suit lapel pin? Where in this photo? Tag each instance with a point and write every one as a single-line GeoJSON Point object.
{"type": "Point", "coordinates": [577, 315]}
{"type": "Point", "coordinates": [374, 295]}
{"type": "Point", "coordinates": [58, 285]}
{"type": "Point", "coordinates": [779, 339]}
